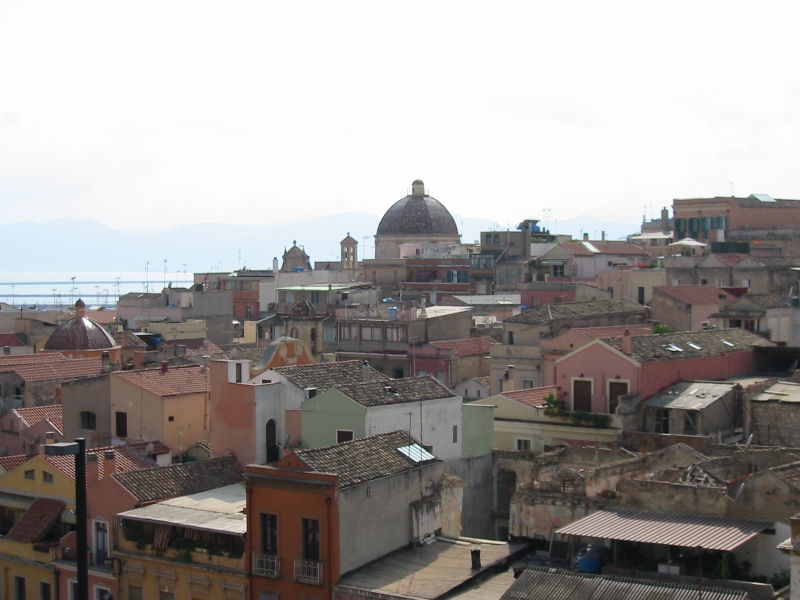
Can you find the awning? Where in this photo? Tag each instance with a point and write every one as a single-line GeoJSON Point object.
{"type": "Point", "coordinates": [687, 531]}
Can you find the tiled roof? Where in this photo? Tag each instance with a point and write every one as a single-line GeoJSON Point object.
{"type": "Point", "coordinates": [364, 459]}
{"type": "Point", "coordinates": [396, 391]}
{"type": "Point", "coordinates": [580, 248]}
{"type": "Point", "coordinates": [10, 339]}
{"type": "Point", "coordinates": [484, 380]}
{"type": "Point", "coordinates": [659, 347]}
{"type": "Point", "coordinates": [23, 359]}
{"type": "Point", "coordinates": [175, 381]}
{"type": "Point", "coordinates": [49, 370]}
{"type": "Point", "coordinates": [790, 473]}
{"type": "Point", "coordinates": [159, 483]}
{"type": "Point", "coordinates": [36, 521]}
{"type": "Point", "coordinates": [752, 304]}
{"type": "Point", "coordinates": [125, 459]}
{"type": "Point", "coordinates": [467, 346]}
{"type": "Point", "coordinates": [693, 294]}
{"type": "Point", "coordinates": [128, 339]}
{"type": "Point", "coordinates": [54, 413]}
{"type": "Point", "coordinates": [532, 396]}
{"type": "Point", "coordinates": [196, 346]}
{"type": "Point", "coordinates": [104, 316]}
{"type": "Point", "coordinates": [575, 310]}
{"type": "Point", "coordinates": [540, 583]}
{"type": "Point", "coordinates": [731, 259]}
{"type": "Point", "coordinates": [328, 375]}
{"type": "Point", "coordinates": [7, 463]}
{"type": "Point", "coordinates": [613, 331]}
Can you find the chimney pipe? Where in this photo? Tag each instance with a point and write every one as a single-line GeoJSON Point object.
{"type": "Point", "coordinates": [603, 236]}
{"type": "Point", "coordinates": [365, 371]}
{"type": "Point", "coordinates": [475, 554]}
{"type": "Point", "coordinates": [92, 467]}
{"type": "Point", "coordinates": [109, 463]}
{"type": "Point", "coordinates": [585, 237]}
{"type": "Point", "coordinates": [164, 366]}
{"type": "Point", "coordinates": [106, 361]}
{"type": "Point", "coordinates": [627, 345]}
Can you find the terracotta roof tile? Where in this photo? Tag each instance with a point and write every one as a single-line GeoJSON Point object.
{"type": "Point", "coordinates": [160, 483]}
{"type": "Point", "coordinates": [128, 339]}
{"type": "Point", "coordinates": [35, 522]}
{"type": "Point", "coordinates": [196, 346]}
{"type": "Point", "coordinates": [575, 310]}
{"type": "Point", "coordinates": [23, 359]}
{"type": "Point", "coordinates": [467, 346]}
{"type": "Point", "coordinates": [54, 413]}
{"type": "Point", "coordinates": [533, 396]}
{"type": "Point", "coordinates": [175, 381]}
{"type": "Point", "coordinates": [396, 391]}
{"type": "Point", "coordinates": [50, 370]}
{"type": "Point", "coordinates": [10, 339]}
{"type": "Point", "coordinates": [693, 294]}
{"type": "Point", "coordinates": [364, 459]}
{"type": "Point", "coordinates": [125, 459]}
{"type": "Point", "coordinates": [690, 344]}
{"type": "Point", "coordinates": [613, 331]}
{"type": "Point", "coordinates": [7, 463]}
{"type": "Point", "coordinates": [731, 259]}
{"type": "Point", "coordinates": [327, 375]}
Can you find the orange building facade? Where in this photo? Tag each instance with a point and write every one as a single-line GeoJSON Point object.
{"type": "Point", "coordinates": [293, 531]}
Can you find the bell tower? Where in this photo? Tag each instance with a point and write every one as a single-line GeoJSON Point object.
{"type": "Point", "coordinates": [349, 253]}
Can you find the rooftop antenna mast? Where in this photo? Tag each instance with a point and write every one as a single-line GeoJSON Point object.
{"type": "Point", "coordinates": [732, 194]}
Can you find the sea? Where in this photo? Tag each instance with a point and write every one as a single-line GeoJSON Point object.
{"type": "Point", "coordinates": [58, 290]}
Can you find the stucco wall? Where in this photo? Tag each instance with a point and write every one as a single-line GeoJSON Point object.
{"type": "Point", "coordinates": [363, 511]}
{"type": "Point", "coordinates": [328, 412]}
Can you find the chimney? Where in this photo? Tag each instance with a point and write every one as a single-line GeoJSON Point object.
{"type": "Point", "coordinates": [365, 371]}
{"type": "Point", "coordinates": [6, 350]}
{"type": "Point", "coordinates": [627, 346]}
{"type": "Point", "coordinates": [50, 437]}
{"type": "Point", "coordinates": [275, 264]}
{"type": "Point", "coordinates": [585, 237]}
{"type": "Point", "coordinates": [475, 555]}
{"type": "Point", "coordinates": [164, 366]}
{"type": "Point", "coordinates": [109, 463]}
{"type": "Point", "coordinates": [106, 361]}
{"type": "Point", "coordinates": [92, 468]}
{"type": "Point", "coordinates": [603, 236]}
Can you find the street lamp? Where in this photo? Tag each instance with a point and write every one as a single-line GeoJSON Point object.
{"type": "Point", "coordinates": [78, 450]}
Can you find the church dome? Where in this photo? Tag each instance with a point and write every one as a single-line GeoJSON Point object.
{"type": "Point", "coordinates": [417, 214]}
{"type": "Point", "coordinates": [79, 333]}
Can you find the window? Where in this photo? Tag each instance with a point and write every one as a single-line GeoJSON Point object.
{"type": "Point", "coordinates": [510, 338]}
{"type": "Point", "coordinates": [343, 435]}
{"type": "Point", "coordinates": [371, 333]}
{"type": "Point", "coordinates": [45, 591]}
{"type": "Point", "coordinates": [88, 420]}
{"type": "Point", "coordinates": [121, 422]}
{"type": "Point", "coordinates": [442, 377]}
{"type": "Point", "coordinates": [47, 477]}
{"type": "Point", "coordinates": [528, 383]}
{"type": "Point", "coordinates": [238, 372]}
{"type": "Point", "coordinates": [166, 595]}
{"type": "Point", "coordinates": [269, 533]}
{"type": "Point", "coordinates": [171, 419]}
{"type": "Point", "coordinates": [395, 334]}
{"type": "Point", "coordinates": [615, 390]}
{"type": "Point", "coordinates": [102, 593]}
{"type": "Point", "coordinates": [523, 444]}
{"type": "Point", "coordinates": [567, 486]}
{"type": "Point", "coordinates": [398, 373]}
{"type": "Point", "coordinates": [30, 474]}
{"type": "Point", "coordinates": [455, 434]}
{"type": "Point", "coordinates": [19, 587]}
{"type": "Point", "coordinates": [311, 540]}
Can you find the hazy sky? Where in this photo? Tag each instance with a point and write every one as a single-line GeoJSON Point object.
{"type": "Point", "coordinates": [180, 112]}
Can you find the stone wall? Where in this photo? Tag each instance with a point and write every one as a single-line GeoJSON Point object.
{"type": "Point", "coordinates": [641, 441]}
{"type": "Point", "coordinates": [477, 483]}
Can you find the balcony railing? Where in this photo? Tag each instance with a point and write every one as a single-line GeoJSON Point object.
{"type": "Point", "coordinates": [308, 571]}
{"type": "Point", "coordinates": [266, 565]}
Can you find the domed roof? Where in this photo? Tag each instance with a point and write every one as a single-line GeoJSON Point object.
{"type": "Point", "coordinates": [79, 333]}
{"type": "Point", "coordinates": [417, 214]}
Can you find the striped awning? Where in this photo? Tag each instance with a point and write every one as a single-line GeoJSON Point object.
{"type": "Point", "coordinates": [688, 531]}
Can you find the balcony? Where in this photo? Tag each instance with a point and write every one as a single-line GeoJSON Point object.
{"type": "Point", "coordinates": [308, 571]}
{"type": "Point", "coordinates": [266, 565]}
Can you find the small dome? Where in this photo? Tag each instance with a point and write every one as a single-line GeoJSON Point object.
{"type": "Point", "coordinates": [417, 214]}
{"type": "Point", "coordinates": [79, 333]}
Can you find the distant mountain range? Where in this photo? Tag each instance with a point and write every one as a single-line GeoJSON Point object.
{"type": "Point", "coordinates": [85, 245]}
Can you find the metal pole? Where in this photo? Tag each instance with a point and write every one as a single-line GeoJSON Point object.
{"type": "Point", "coordinates": [80, 506]}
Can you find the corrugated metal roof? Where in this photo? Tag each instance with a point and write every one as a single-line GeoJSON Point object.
{"type": "Point", "coordinates": [219, 510]}
{"type": "Point", "coordinates": [689, 395]}
{"type": "Point", "coordinates": [688, 531]}
{"type": "Point", "coordinates": [552, 584]}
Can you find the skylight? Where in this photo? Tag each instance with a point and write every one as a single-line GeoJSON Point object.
{"type": "Point", "coordinates": [693, 345]}
{"type": "Point", "coordinates": [673, 348]}
{"type": "Point", "coordinates": [727, 343]}
{"type": "Point", "coordinates": [416, 453]}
